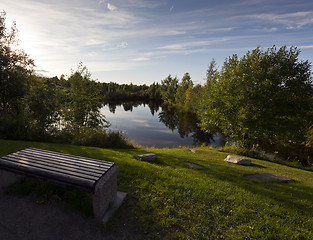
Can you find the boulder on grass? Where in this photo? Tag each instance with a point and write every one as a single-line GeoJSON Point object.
{"type": "Point", "coordinates": [149, 157]}
{"type": "Point", "coordinates": [238, 160]}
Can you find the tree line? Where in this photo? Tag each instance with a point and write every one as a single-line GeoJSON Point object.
{"type": "Point", "coordinates": [65, 109]}
{"type": "Point", "coordinates": [261, 100]}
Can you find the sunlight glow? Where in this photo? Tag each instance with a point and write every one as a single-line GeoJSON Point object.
{"type": "Point", "coordinates": [27, 41]}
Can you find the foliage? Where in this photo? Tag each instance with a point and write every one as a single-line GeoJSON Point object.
{"type": "Point", "coordinates": [211, 74]}
{"type": "Point", "coordinates": [188, 103]}
{"type": "Point", "coordinates": [95, 137]}
{"type": "Point", "coordinates": [154, 92]}
{"type": "Point", "coordinates": [83, 101]}
{"type": "Point", "coordinates": [170, 200]}
{"type": "Point", "coordinates": [42, 106]}
{"type": "Point", "coordinates": [263, 98]}
{"type": "Point", "coordinates": [168, 88]}
{"type": "Point", "coordinates": [129, 92]}
{"type": "Point", "coordinates": [180, 95]}
{"type": "Point", "coordinates": [15, 67]}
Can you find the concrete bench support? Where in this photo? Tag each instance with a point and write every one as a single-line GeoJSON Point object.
{"type": "Point", "coordinates": [105, 192]}
{"type": "Point", "coordinates": [8, 178]}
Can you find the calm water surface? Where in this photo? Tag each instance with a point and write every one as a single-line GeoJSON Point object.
{"type": "Point", "coordinates": [152, 127]}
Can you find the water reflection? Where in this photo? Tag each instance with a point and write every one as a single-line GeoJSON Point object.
{"type": "Point", "coordinates": [154, 106]}
{"type": "Point", "coordinates": [164, 126]}
{"type": "Point", "coordinates": [186, 124]}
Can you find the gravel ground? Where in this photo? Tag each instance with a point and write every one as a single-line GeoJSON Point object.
{"type": "Point", "coordinates": [26, 218]}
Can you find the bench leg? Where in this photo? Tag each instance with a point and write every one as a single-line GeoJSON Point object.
{"type": "Point", "coordinates": [105, 192]}
{"type": "Point", "coordinates": [7, 179]}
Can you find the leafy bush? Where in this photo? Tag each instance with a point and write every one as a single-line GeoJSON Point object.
{"type": "Point", "coordinates": [94, 137]}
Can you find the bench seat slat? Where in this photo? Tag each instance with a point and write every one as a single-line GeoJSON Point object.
{"type": "Point", "coordinates": [74, 171]}
{"type": "Point", "coordinates": [62, 163]}
{"type": "Point", "coordinates": [26, 165]}
{"type": "Point", "coordinates": [70, 158]}
{"type": "Point", "coordinates": [50, 175]}
{"type": "Point", "coordinates": [86, 160]}
{"type": "Point", "coordinates": [32, 162]}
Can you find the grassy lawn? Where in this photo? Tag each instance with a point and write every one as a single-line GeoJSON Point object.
{"type": "Point", "coordinates": [170, 200]}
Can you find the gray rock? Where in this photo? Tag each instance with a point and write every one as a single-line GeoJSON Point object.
{"type": "Point", "coordinates": [192, 165]}
{"type": "Point", "coordinates": [149, 157]}
{"type": "Point", "coordinates": [268, 177]}
{"type": "Point", "coordinates": [238, 160]}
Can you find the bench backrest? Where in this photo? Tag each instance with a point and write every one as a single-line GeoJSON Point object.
{"type": "Point", "coordinates": [74, 171]}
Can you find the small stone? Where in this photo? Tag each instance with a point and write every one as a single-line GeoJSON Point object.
{"type": "Point", "coordinates": [268, 177]}
{"type": "Point", "coordinates": [149, 157]}
{"type": "Point", "coordinates": [192, 165]}
{"type": "Point", "coordinates": [238, 160]}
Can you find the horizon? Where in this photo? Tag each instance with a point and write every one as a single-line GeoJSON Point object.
{"type": "Point", "coordinates": [143, 41]}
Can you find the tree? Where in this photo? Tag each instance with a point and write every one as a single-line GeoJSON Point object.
{"type": "Point", "coordinates": [15, 67]}
{"type": "Point", "coordinates": [211, 74]}
{"type": "Point", "coordinates": [188, 98]}
{"type": "Point", "coordinates": [169, 88]}
{"type": "Point", "coordinates": [180, 95]}
{"type": "Point", "coordinates": [266, 96]}
{"type": "Point", "coordinates": [154, 91]}
{"type": "Point", "coordinates": [42, 105]}
{"type": "Point", "coordinates": [83, 101]}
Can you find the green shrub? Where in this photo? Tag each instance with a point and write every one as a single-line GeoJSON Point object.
{"type": "Point", "coordinates": [95, 137]}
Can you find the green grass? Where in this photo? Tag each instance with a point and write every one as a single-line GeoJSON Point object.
{"type": "Point", "coordinates": [169, 200]}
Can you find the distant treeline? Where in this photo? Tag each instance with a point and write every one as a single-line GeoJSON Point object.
{"type": "Point", "coordinates": [122, 92]}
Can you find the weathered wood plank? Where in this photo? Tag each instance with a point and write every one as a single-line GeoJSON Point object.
{"type": "Point", "coordinates": [52, 176]}
{"type": "Point", "coordinates": [69, 170]}
{"type": "Point", "coordinates": [96, 162]}
{"type": "Point", "coordinates": [70, 159]}
{"type": "Point", "coordinates": [61, 163]}
{"type": "Point", "coordinates": [51, 166]}
{"type": "Point", "coordinates": [28, 166]}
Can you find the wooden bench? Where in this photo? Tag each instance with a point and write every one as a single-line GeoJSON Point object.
{"type": "Point", "coordinates": [90, 175]}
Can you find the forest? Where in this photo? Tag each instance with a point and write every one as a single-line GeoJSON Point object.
{"type": "Point", "coordinates": [261, 101]}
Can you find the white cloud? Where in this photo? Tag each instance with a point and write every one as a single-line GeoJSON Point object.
{"type": "Point", "coordinates": [306, 46]}
{"type": "Point", "coordinates": [192, 44]}
{"type": "Point", "coordinates": [93, 42]}
{"type": "Point", "coordinates": [93, 54]}
{"type": "Point", "coordinates": [290, 20]}
{"type": "Point", "coordinates": [273, 29]}
{"type": "Point", "coordinates": [111, 7]}
{"type": "Point", "coordinates": [100, 2]}
{"type": "Point", "coordinates": [123, 44]}
{"type": "Point", "coordinates": [141, 59]}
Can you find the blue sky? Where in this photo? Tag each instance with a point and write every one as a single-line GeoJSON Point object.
{"type": "Point", "coordinates": [142, 41]}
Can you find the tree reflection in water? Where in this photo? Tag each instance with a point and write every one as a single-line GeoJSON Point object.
{"type": "Point", "coordinates": [185, 123]}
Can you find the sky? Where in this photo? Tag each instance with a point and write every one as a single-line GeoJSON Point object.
{"type": "Point", "coordinates": [143, 41]}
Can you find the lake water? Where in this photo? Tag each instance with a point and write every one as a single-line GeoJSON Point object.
{"type": "Point", "coordinates": [153, 126]}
